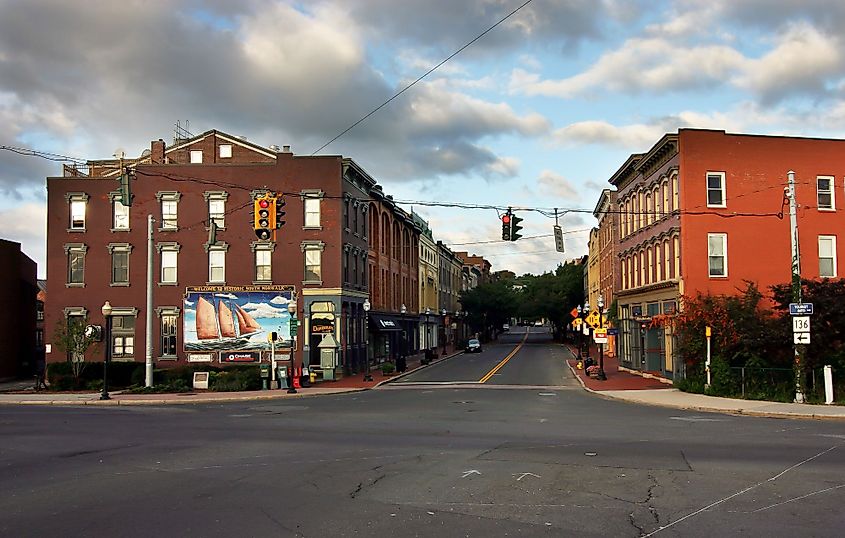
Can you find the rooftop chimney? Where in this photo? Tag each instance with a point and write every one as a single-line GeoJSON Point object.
{"type": "Point", "coordinates": [286, 149]}
{"type": "Point", "coordinates": [157, 151]}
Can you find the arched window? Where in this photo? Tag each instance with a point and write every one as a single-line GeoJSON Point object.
{"type": "Point", "coordinates": [657, 263]}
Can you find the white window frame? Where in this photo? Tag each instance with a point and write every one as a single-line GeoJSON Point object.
{"type": "Point", "coordinates": [312, 256]}
{"type": "Point", "coordinates": [169, 220]}
{"type": "Point", "coordinates": [80, 250]}
{"type": "Point", "coordinates": [120, 215]}
{"type": "Point", "coordinates": [721, 190]}
{"type": "Point", "coordinates": [830, 240]}
{"type": "Point", "coordinates": [723, 241]}
{"type": "Point", "coordinates": [263, 265]}
{"type": "Point", "coordinates": [312, 212]}
{"type": "Point", "coordinates": [225, 151]}
{"type": "Point", "coordinates": [831, 191]}
{"type": "Point", "coordinates": [77, 211]}
{"type": "Point", "coordinates": [168, 252]}
{"type": "Point", "coordinates": [216, 265]}
{"type": "Point", "coordinates": [196, 156]}
{"type": "Point", "coordinates": [217, 214]}
{"type": "Point", "coordinates": [120, 248]}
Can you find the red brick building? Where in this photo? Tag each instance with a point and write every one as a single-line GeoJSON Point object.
{"type": "Point", "coordinates": [393, 265]}
{"type": "Point", "coordinates": [703, 211]}
{"type": "Point", "coordinates": [97, 252]}
{"type": "Point", "coordinates": [18, 313]}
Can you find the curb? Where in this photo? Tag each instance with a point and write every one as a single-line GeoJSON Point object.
{"type": "Point", "coordinates": [409, 372]}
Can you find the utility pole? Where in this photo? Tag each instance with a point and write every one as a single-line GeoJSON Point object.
{"type": "Point", "coordinates": [148, 377]}
{"type": "Point", "coordinates": [796, 277]}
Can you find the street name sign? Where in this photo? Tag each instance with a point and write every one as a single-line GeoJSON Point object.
{"type": "Point", "coordinates": [800, 309]}
{"type": "Point", "coordinates": [801, 338]}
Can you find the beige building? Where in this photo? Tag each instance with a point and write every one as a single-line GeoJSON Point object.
{"type": "Point", "coordinates": [430, 315]}
{"type": "Point", "coordinates": [593, 268]}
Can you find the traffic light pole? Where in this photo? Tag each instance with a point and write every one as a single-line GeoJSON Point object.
{"type": "Point", "coordinates": [148, 341]}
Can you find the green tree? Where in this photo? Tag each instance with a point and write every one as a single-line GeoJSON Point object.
{"type": "Point", "coordinates": [553, 295]}
{"type": "Point", "coordinates": [489, 306]}
{"type": "Point", "coordinates": [70, 338]}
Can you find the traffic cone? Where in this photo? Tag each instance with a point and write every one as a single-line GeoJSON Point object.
{"type": "Point", "coordinates": [297, 372]}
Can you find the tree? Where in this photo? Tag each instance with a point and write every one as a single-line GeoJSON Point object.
{"type": "Point", "coordinates": [553, 295]}
{"type": "Point", "coordinates": [70, 338]}
{"type": "Point", "coordinates": [489, 306]}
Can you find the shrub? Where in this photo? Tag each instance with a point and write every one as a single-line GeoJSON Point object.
{"type": "Point", "coordinates": [236, 378]}
{"type": "Point", "coordinates": [387, 368]}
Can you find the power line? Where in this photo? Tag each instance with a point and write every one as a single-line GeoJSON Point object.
{"type": "Point", "coordinates": [42, 154]}
{"type": "Point", "coordinates": [409, 86]}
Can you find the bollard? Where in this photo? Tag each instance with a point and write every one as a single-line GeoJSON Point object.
{"type": "Point", "coordinates": [828, 385]}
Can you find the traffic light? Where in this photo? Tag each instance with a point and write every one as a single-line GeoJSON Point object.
{"type": "Point", "coordinates": [515, 227]}
{"type": "Point", "coordinates": [125, 188]}
{"type": "Point", "coordinates": [264, 216]}
{"type": "Point", "coordinates": [280, 211]}
{"type": "Point", "coordinates": [506, 226]}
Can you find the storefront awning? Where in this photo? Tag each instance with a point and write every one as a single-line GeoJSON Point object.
{"type": "Point", "coordinates": [384, 323]}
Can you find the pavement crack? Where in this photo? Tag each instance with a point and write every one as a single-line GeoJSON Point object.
{"type": "Point", "coordinates": [646, 503]}
{"type": "Point", "coordinates": [357, 490]}
{"type": "Point", "coordinates": [684, 457]}
{"type": "Point", "coordinates": [360, 487]}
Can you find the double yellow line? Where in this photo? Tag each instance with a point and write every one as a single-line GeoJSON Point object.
{"type": "Point", "coordinates": [504, 361]}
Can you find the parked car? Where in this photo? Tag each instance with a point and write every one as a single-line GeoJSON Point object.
{"type": "Point", "coordinates": [473, 346]}
{"type": "Point", "coordinates": [538, 323]}
{"type": "Point", "coordinates": [506, 327]}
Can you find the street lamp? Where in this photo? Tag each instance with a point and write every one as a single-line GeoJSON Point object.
{"type": "Point", "coordinates": [600, 304]}
{"type": "Point", "coordinates": [443, 315]}
{"type": "Point", "coordinates": [106, 310]}
{"type": "Point", "coordinates": [367, 375]}
{"type": "Point", "coordinates": [292, 312]}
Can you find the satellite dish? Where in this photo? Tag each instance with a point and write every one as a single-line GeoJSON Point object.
{"type": "Point", "coordinates": [119, 153]}
{"type": "Point", "coordinates": [145, 153]}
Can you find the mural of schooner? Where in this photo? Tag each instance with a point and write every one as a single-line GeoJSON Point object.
{"type": "Point", "coordinates": [236, 318]}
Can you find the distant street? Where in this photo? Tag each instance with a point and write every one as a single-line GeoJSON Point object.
{"type": "Point", "coordinates": [525, 453]}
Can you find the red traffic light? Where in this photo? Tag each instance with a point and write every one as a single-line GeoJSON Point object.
{"type": "Point", "coordinates": [506, 218]}
{"type": "Point", "coordinates": [263, 203]}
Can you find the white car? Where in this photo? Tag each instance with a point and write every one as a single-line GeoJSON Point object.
{"type": "Point", "coordinates": [506, 327]}
{"type": "Point", "coordinates": [473, 346]}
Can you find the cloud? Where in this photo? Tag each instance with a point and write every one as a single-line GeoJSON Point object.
{"type": "Point", "coordinates": [27, 224]}
{"type": "Point", "coordinates": [279, 299]}
{"type": "Point", "coordinates": [263, 310]}
{"type": "Point", "coordinates": [226, 295]}
{"type": "Point", "coordinates": [556, 186]}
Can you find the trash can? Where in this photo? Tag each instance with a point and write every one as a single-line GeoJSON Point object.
{"type": "Point", "coordinates": [282, 377]}
{"type": "Point", "coordinates": [305, 379]}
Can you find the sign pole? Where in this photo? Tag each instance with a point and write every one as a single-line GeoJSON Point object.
{"type": "Point", "coordinates": [796, 277]}
{"type": "Point", "coordinates": [707, 332]}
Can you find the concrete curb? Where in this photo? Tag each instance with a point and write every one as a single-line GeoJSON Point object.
{"type": "Point", "coordinates": [409, 372]}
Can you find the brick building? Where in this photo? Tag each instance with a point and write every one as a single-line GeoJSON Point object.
{"type": "Point", "coordinates": [693, 210]}
{"type": "Point", "coordinates": [214, 300]}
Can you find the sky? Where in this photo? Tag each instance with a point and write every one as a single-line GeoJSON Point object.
{"type": "Point", "coordinates": [536, 114]}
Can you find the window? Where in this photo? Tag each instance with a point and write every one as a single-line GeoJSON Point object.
{"type": "Point", "coordinates": [824, 193]}
{"type": "Point", "coordinates": [75, 264]}
{"type": "Point", "coordinates": [225, 151]}
{"type": "Point", "coordinates": [120, 263]}
{"type": "Point", "coordinates": [123, 337]}
{"type": "Point", "coordinates": [217, 207]}
{"type": "Point", "coordinates": [169, 320]}
{"type": "Point", "coordinates": [665, 190]}
{"type": "Point", "coordinates": [169, 206]}
{"type": "Point", "coordinates": [312, 212]}
{"type": "Point", "coordinates": [666, 259]}
{"type": "Point", "coordinates": [216, 266]}
{"type": "Point", "coordinates": [675, 195]}
{"type": "Point", "coordinates": [169, 253]}
{"type": "Point", "coordinates": [827, 256]}
{"type": "Point", "coordinates": [658, 268]}
{"type": "Point", "coordinates": [263, 267]}
{"type": "Point", "coordinates": [120, 215]}
{"type": "Point", "coordinates": [717, 254]}
{"type": "Point", "coordinates": [648, 209]}
{"type": "Point", "coordinates": [313, 251]}
{"type": "Point", "coordinates": [77, 203]}
{"type": "Point", "coordinates": [715, 189]}
{"type": "Point", "coordinates": [196, 156]}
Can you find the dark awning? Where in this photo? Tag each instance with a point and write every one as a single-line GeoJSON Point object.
{"type": "Point", "coordinates": [384, 323]}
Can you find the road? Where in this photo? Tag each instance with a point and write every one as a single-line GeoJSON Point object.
{"type": "Point", "coordinates": [525, 453]}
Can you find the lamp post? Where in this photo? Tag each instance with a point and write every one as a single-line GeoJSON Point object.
{"type": "Point", "coordinates": [106, 310]}
{"type": "Point", "coordinates": [367, 375]}
{"type": "Point", "coordinates": [402, 310]}
{"type": "Point", "coordinates": [443, 315]}
{"type": "Point", "coordinates": [292, 312]}
{"type": "Point", "coordinates": [600, 305]}
{"type": "Point", "coordinates": [427, 327]}
{"type": "Point", "coordinates": [585, 311]}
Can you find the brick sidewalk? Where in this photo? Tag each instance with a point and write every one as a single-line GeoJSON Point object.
{"type": "Point", "coordinates": [616, 380]}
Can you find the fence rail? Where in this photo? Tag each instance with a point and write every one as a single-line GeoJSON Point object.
{"type": "Point", "coordinates": [778, 384]}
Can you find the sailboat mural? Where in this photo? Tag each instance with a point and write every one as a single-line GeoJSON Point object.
{"type": "Point", "coordinates": [221, 320]}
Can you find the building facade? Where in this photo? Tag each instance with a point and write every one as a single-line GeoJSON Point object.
{"type": "Point", "coordinates": [692, 212]}
{"type": "Point", "coordinates": [216, 296]}
{"type": "Point", "coordinates": [18, 311]}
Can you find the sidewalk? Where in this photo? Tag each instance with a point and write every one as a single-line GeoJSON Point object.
{"type": "Point", "coordinates": [648, 391]}
{"type": "Point", "coordinates": [24, 395]}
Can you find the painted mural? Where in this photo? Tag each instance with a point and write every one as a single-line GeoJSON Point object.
{"type": "Point", "coordinates": [236, 318]}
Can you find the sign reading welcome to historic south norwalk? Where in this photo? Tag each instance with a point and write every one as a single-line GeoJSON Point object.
{"type": "Point", "coordinates": [235, 318]}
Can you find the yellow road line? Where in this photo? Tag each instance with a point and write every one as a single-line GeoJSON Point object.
{"type": "Point", "coordinates": [499, 366]}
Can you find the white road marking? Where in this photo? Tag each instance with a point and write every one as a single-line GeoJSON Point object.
{"type": "Point", "coordinates": [471, 471]}
{"type": "Point", "coordinates": [523, 475]}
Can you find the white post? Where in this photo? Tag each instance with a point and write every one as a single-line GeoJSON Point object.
{"type": "Point", "coordinates": [828, 384]}
{"type": "Point", "coordinates": [707, 363]}
{"type": "Point", "coordinates": [148, 377]}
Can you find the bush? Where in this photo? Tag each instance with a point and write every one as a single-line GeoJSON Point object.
{"type": "Point", "coordinates": [388, 368]}
{"type": "Point", "coordinates": [235, 378]}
